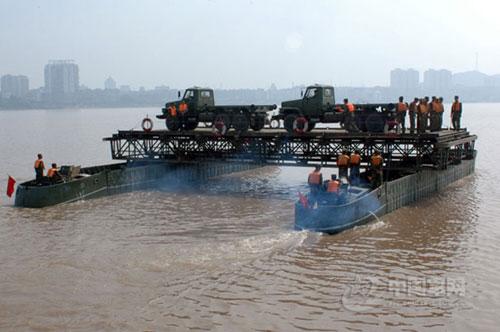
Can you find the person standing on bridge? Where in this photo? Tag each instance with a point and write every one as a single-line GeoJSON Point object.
{"type": "Point", "coordinates": [412, 114]}
{"type": "Point", "coordinates": [401, 109]}
{"type": "Point", "coordinates": [343, 164]}
{"type": "Point", "coordinates": [349, 116]}
{"type": "Point", "coordinates": [423, 114]}
{"type": "Point", "coordinates": [39, 168]}
{"type": "Point", "coordinates": [376, 163]}
{"type": "Point", "coordinates": [315, 181]}
{"type": "Point", "coordinates": [439, 113]}
{"type": "Point", "coordinates": [354, 163]}
{"type": "Point", "coordinates": [456, 113]}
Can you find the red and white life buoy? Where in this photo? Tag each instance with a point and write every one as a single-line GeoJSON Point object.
{"type": "Point", "coordinates": [147, 124]}
{"type": "Point", "coordinates": [219, 127]}
{"type": "Point", "coordinates": [300, 125]}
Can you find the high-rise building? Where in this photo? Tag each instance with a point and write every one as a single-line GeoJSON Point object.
{"type": "Point", "coordinates": [61, 77]}
{"type": "Point", "coordinates": [404, 80]}
{"type": "Point", "coordinates": [109, 84]}
{"type": "Point", "coordinates": [437, 80]}
{"type": "Point", "coordinates": [17, 86]}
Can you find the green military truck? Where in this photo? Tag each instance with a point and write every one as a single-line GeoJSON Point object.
{"type": "Point", "coordinates": [318, 106]}
{"type": "Point", "coordinates": [198, 105]}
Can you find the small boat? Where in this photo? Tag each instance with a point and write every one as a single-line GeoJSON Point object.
{"type": "Point", "coordinates": [90, 182]}
{"type": "Point", "coordinates": [355, 206]}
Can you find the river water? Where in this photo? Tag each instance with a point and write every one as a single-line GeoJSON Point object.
{"type": "Point", "coordinates": [224, 256]}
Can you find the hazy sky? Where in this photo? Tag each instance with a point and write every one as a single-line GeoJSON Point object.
{"type": "Point", "coordinates": [245, 43]}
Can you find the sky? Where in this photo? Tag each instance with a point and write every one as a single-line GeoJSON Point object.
{"type": "Point", "coordinates": [247, 43]}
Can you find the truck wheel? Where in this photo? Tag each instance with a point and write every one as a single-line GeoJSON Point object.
{"type": "Point", "coordinates": [289, 121]}
{"type": "Point", "coordinates": [172, 123]}
{"type": "Point", "coordinates": [191, 125]}
{"type": "Point", "coordinates": [258, 123]}
{"type": "Point", "coordinates": [375, 123]}
{"type": "Point", "coordinates": [240, 123]}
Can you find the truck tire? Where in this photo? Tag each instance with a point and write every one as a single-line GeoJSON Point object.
{"type": "Point", "coordinates": [375, 123]}
{"type": "Point", "coordinates": [240, 123]}
{"type": "Point", "coordinates": [257, 123]}
{"type": "Point", "coordinates": [172, 123]}
{"type": "Point", "coordinates": [289, 121]}
{"type": "Point", "coordinates": [191, 125]}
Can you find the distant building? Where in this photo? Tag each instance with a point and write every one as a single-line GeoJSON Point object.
{"type": "Point", "coordinates": [472, 79]}
{"type": "Point", "coordinates": [404, 80]}
{"type": "Point", "coordinates": [125, 88]}
{"type": "Point", "coordinates": [437, 80]}
{"type": "Point", "coordinates": [17, 86]}
{"type": "Point", "coordinates": [110, 84]}
{"type": "Point", "coordinates": [61, 77]}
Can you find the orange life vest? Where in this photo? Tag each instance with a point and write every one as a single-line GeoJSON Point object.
{"type": "Point", "coordinates": [343, 160]}
{"type": "Point", "coordinates": [423, 108]}
{"type": "Point", "coordinates": [456, 106]}
{"type": "Point", "coordinates": [314, 178]}
{"type": "Point", "coordinates": [172, 110]}
{"type": "Point", "coordinates": [402, 107]}
{"type": "Point", "coordinates": [377, 160]}
{"type": "Point", "coordinates": [438, 107]}
{"type": "Point", "coordinates": [39, 164]}
{"type": "Point", "coordinates": [52, 172]}
{"type": "Point", "coordinates": [183, 107]}
{"type": "Point", "coordinates": [413, 106]}
{"type": "Point", "coordinates": [333, 186]}
{"type": "Point", "coordinates": [355, 159]}
{"type": "Point", "coordinates": [350, 107]}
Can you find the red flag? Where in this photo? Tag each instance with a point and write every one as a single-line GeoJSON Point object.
{"type": "Point", "coordinates": [303, 200]}
{"type": "Point", "coordinates": [10, 186]}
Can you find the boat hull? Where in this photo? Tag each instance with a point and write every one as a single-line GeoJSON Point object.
{"type": "Point", "coordinates": [390, 196]}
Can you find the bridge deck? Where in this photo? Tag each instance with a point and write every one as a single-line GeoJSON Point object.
{"type": "Point", "coordinates": [277, 146]}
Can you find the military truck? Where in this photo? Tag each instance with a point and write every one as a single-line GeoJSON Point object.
{"type": "Point", "coordinates": [198, 105]}
{"type": "Point", "coordinates": [318, 106]}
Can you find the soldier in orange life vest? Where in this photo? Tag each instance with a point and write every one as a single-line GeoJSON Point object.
{"type": "Point", "coordinates": [349, 116]}
{"type": "Point", "coordinates": [343, 164]}
{"type": "Point", "coordinates": [423, 114]}
{"type": "Point", "coordinates": [333, 186]}
{"type": "Point", "coordinates": [53, 173]}
{"type": "Point", "coordinates": [354, 162]}
{"type": "Point", "coordinates": [412, 114]}
{"type": "Point", "coordinates": [401, 109]}
{"type": "Point", "coordinates": [439, 109]}
{"type": "Point", "coordinates": [315, 181]}
{"type": "Point", "coordinates": [39, 167]}
{"type": "Point", "coordinates": [376, 163]}
{"type": "Point", "coordinates": [456, 113]}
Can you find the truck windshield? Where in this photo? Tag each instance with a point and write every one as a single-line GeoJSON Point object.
{"type": "Point", "coordinates": [311, 92]}
{"type": "Point", "coordinates": [188, 94]}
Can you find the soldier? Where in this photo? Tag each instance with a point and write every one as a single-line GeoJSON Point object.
{"type": "Point", "coordinates": [349, 117]}
{"type": "Point", "coordinates": [343, 164]}
{"type": "Point", "coordinates": [423, 114]}
{"type": "Point", "coordinates": [456, 113]}
{"type": "Point", "coordinates": [439, 113]}
{"type": "Point", "coordinates": [39, 167]}
{"type": "Point", "coordinates": [412, 114]}
{"type": "Point", "coordinates": [376, 163]}
{"type": "Point", "coordinates": [401, 109]}
{"type": "Point", "coordinates": [354, 162]}
{"type": "Point", "coordinates": [432, 113]}
{"type": "Point", "coordinates": [315, 181]}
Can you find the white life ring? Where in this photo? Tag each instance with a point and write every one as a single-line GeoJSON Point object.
{"type": "Point", "coordinates": [305, 125]}
{"type": "Point", "coordinates": [147, 124]}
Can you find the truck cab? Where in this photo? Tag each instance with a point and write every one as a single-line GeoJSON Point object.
{"type": "Point", "coordinates": [184, 113]}
{"type": "Point", "coordinates": [317, 102]}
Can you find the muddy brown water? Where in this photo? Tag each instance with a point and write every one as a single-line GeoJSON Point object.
{"type": "Point", "coordinates": [223, 256]}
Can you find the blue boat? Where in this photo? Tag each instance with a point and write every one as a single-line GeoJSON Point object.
{"type": "Point", "coordinates": [359, 205]}
{"type": "Point", "coordinates": [354, 207]}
